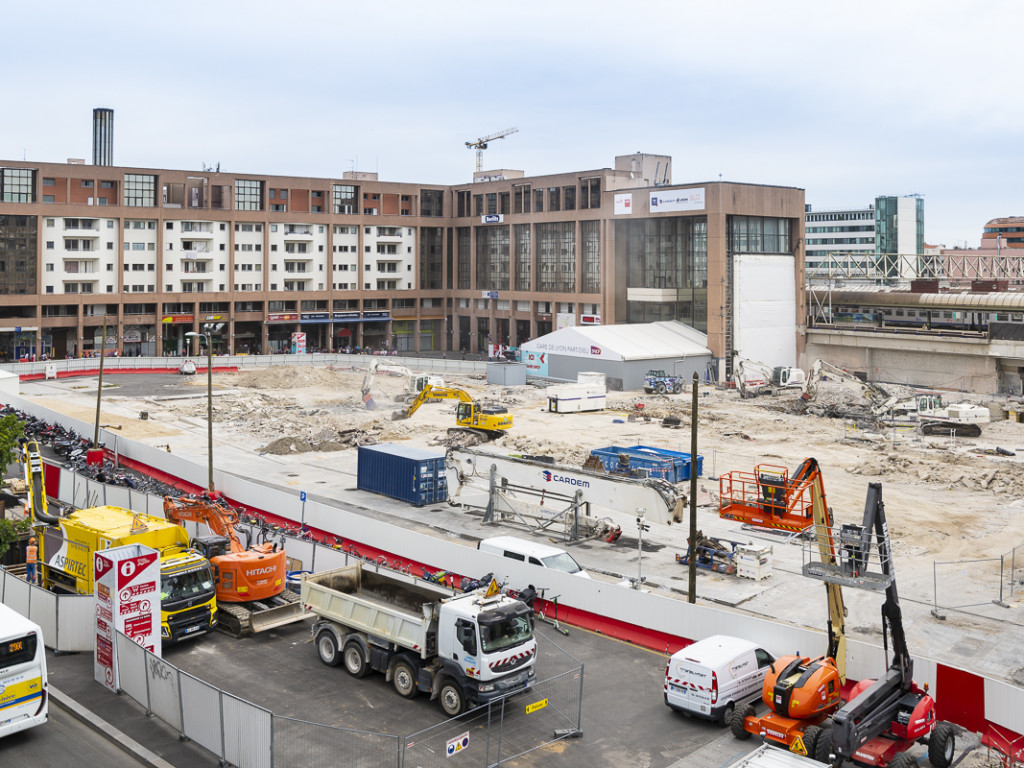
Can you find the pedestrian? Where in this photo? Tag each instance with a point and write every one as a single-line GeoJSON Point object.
{"type": "Point", "coordinates": [31, 556]}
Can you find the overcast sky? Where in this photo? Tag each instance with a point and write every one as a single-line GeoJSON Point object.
{"type": "Point", "coordinates": [845, 100]}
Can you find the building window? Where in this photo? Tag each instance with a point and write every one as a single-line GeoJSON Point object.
{"type": "Point", "coordinates": [17, 185]}
{"type": "Point", "coordinates": [569, 198]}
{"type": "Point", "coordinates": [139, 190]}
{"type": "Point", "coordinates": [554, 199]}
{"type": "Point", "coordinates": [431, 202]}
{"type": "Point", "coordinates": [521, 198]}
{"type": "Point", "coordinates": [248, 195]}
{"type": "Point", "coordinates": [345, 198]}
{"type": "Point", "coordinates": [538, 200]}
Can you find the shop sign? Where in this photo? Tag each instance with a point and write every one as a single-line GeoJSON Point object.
{"type": "Point", "coordinates": [385, 315]}
{"type": "Point", "coordinates": [132, 337]}
{"type": "Point", "coordinates": [342, 316]}
{"type": "Point", "coordinates": [590, 319]}
{"type": "Point", "coordinates": [178, 319]}
{"type": "Point", "coordinates": [282, 317]}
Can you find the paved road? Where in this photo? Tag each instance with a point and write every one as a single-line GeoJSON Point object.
{"type": "Point", "coordinates": [63, 741]}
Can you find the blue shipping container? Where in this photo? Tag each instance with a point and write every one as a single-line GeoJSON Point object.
{"type": "Point", "coordinates": [401, 472]}
{"type": "Point", "coordinates": [673, 466]}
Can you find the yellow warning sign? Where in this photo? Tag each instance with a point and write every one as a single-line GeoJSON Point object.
{"type": "Point", "coordinates": [492, 589]}
{"type": "Point", "coordinates": [137, 525]}
{"type": "Point", "coordinates": [798, 746]}
{"type": "Point", "coordinates": [536, 705]}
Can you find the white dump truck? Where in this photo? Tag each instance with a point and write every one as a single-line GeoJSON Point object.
{"type": "Point", "coordinates": [463, 649]}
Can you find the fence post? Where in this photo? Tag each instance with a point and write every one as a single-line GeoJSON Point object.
{"type": "Point", "coordinates": [935, 593]}
{"type": "Point", "coordinates": [145, 671]}
{"type": "Point", "coordinates": [223, 748]}
{"type": "Point", "coordinates": [181, 710]}
{"type": "Point", "coordinates": [1000, 601]}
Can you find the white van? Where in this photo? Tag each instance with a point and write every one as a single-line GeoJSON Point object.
{"type": "Point", "coordinates": [714, 676]}
{"type": "Point", "coordinates": [525, 551]}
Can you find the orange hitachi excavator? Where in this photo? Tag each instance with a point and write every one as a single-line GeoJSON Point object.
{"type": "Point", "coordinates": [252, 594]}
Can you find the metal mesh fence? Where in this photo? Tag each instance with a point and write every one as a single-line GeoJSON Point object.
{"type": "Point", "coordinates": [968, 583]}
{"type": "Point", "coordinates": [509, 727]}
{"type": "Point", "coordinates": [311, 745]}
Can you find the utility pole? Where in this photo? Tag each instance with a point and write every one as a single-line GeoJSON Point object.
{"type": "Point", "coordinates": [691, 590]}
{"type": "Point", "coordinates": [99, 387]}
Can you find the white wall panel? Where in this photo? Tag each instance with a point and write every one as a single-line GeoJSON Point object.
{"type": "Point", "coordinates": [764, 308]}
{"type": "Point", "coordinates": [1004, 705]}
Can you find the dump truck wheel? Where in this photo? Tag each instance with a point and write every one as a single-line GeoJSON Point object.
{"type": "Point", "coordinates": [941, 745]}
{"type": "Point", "coordinates": [738, 718]}
{"type": "Point", "coordinates": [451, 698]}
{"type": "Point", "coordinates": [355, 662]}
{"type": "Point", "coordinates": [403, 677]}
{"type": "Point", "coordinates": [327, 647]}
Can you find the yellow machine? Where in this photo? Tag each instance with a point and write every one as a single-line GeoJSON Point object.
{"type": "Point", "coordinates": [490, 422]}
{"type": "Point", "coordinates": [188, 604]}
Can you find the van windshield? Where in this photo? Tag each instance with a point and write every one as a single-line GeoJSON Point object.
{"type": "Point", "coordinates": [562, 562]}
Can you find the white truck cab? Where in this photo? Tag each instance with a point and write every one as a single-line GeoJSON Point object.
{"type": "Point", "coordinates": [714, 676]}
{"type": "Point", "coordinates": [533, 553]}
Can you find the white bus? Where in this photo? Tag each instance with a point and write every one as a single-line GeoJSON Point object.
{"type": "Point", "coordinates": [23, 697]}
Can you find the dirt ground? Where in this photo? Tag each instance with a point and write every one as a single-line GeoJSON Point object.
{"type": "Point", "coordinates": [946, 499]}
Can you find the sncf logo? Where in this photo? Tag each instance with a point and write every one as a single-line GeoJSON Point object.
{"type": "Point", "coordinates": [595, 350]}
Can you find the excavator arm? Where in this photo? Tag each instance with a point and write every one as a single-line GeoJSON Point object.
{"type": "Point", "coordinates": [214, 512]}
{"type": "Point", "coordinates": [431, 392]}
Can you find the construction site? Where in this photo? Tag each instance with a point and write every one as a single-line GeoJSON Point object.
{"type": "Point", "coordinates": [955, 518]}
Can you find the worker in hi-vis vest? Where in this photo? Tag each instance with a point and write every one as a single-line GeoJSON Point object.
{"type": "Point", "coordinates": [31, 556]}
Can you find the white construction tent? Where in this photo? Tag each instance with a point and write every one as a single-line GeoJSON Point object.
{"type": "Point", "coordinates": [623, 353]}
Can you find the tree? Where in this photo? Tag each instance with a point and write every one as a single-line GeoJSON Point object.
{"type": "Point", "coordinates": [11, 531]}
{"type": "Point", "coordinates": [11, 429]}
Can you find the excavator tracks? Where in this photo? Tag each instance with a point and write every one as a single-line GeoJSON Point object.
{"type": "Point", "coordinates": [244, 619]}
{"type": "Point", "coordinates": [947, 428]}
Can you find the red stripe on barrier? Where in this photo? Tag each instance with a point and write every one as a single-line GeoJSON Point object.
{"type": "Point", "coordinates": [960, 697]}
{"type": "Point", "coordinates": [119, 371]}
{"type": "Point", "coordinates": [51, 480]}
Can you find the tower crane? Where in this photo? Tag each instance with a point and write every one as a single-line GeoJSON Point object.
{"type": "Point", "coordinates": [481, 144]}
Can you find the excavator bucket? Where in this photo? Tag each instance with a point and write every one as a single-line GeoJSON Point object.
{"type": "Point", "coordinates": [277, 616]}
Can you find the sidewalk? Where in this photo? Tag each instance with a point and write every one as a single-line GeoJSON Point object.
{"type": "Point", "coordinates": [118, 718]}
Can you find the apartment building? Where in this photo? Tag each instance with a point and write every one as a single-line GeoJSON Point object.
{"type": "Point", "coordinates": [151, 254]}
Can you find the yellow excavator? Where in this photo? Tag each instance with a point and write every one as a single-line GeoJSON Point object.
{"type": "Point", "coordinates": [489, 422]}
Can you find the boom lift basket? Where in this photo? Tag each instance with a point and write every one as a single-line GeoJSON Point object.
{"type": "Point", "coordinates": [766, 498]}
{"type": "Point", "coordinates": [858, 561]}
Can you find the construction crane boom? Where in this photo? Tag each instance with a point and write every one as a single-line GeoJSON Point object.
{"type": "Point", "coordinates": [481, 144]}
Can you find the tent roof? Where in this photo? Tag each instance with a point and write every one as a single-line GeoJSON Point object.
{"type": "Point", "coordinates": [639, 341]}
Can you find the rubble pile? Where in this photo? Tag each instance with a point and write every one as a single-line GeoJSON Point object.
{"type": "Point", "coordinates": [325, 440]}
{"type": "Point", "coordinates": [954, 470]}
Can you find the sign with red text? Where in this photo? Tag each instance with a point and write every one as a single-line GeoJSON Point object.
{"type": "Point", "coordinates": [127, 600]}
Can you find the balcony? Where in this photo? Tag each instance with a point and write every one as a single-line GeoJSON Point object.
{"type": "Point", "coordinates": [197, 254]}
{"type": "Point", "coordinates": [81, 226]}
{"type": "Point", "coordinates": [81, 234]}
{"type": "Point", "coordinates": [196, 234]}
{"type": "Point", "coordinates": [81, 255]}
{"type": "Point", "coordinates": [304, 234]}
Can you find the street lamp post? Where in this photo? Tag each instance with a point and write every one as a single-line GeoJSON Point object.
{"type": "Point", "coordinates": [208, 336]}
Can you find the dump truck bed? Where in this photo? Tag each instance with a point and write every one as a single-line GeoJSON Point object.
{"type": "Point", "coordinates": [398, 608]}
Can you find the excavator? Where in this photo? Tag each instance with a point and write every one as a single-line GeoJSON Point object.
{"type": "Point", "coordinates": [753, 378]}
{"type": "Point", "coordinates": [883, 718]}
{"type": "Point", "coordinates": [488, 422]}
{"type": "Point", "coordinates": [251, 580]}
{"type": "Point", "coordinates": [802, 692]}
{"type": "Point", "coordinates": [414, 382]}
{"type": "Point", "coordinates": [926, 410]}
